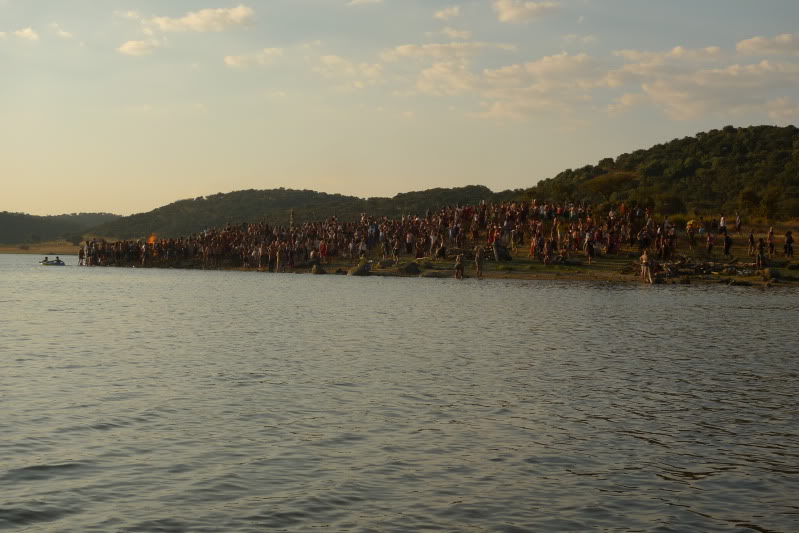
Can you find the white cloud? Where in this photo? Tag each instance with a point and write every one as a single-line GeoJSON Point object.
{"type": "Point", "coordinates": [516, 11]}
{"type": "Point", "coordinates": [262, 57]}
{"type": "Point", "coordinates": [60, 31]}
{"type": "Point", "coordinates": [453, 33]}
{"type": "Point", "coordinates": [448, 13]}
{"type": "Point", "coordinates": [360, 75]}
{"type": "Point", "coordinates": [27, 33]}
{"type": "Point", "coordinates": [448, 51]}
{"type": "Point", "coordinates": [783, 110]}
{"type": "Point", "coordinates": [723, 91]}
{"type": "Point", "coordinates": [573, 38]}
{"type": "Point", "coordinates": [676, 53]}
{"type": "Point", "coordinates": [138, 48]}
{"type": "Point", "coordinates": [446, 79]}
{"type": "Point", "coordinates": [785, 44]}
{"type": "Point", "coordinates": [206, 20]}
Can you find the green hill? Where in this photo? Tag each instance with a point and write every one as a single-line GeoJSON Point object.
{"type": "Point", "coordinates": [186, 217]}
{"type": "Point", "coordinates": [752, 170]}
{"type": "Point", "coordinates": [20, 228]}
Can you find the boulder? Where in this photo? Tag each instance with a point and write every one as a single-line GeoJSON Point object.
{"type": "Point", "coordinates": [385, 263]}
{"type": "Point", "coordinates": [318, 270]}
{"type": "Point", "coordinates": [361, 269]}
{"type": "Point", "coordinates": [435, 274]}
{"type": "Point", "coordinates": [770, 273]}
{"type": "Point", "coordinates": [409, 268]}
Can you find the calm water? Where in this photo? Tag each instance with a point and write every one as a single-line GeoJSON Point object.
{"type": "Point", "coordinates": [144, 400]}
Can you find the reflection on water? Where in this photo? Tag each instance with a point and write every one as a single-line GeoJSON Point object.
{"type": "Point", "coordinates": [144, 400]}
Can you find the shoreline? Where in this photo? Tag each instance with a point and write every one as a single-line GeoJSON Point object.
{"type": "Point", "coordinates": [606, 269]}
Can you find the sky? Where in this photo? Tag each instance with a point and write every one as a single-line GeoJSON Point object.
{"type": "Point", "coordinates": [123, 106]}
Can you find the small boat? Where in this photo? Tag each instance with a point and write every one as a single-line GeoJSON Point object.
{"type": "Point", "coordinates": [53, 263]}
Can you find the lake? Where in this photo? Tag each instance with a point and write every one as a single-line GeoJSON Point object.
{"type": "Point", "coordinates": [168, 400]}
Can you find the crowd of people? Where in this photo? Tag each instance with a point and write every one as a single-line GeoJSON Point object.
{"type": "Point", "coordinates": [549, 232]}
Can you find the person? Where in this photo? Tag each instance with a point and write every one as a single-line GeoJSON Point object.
{"type": "Point", "coordinates": [478, 261]}
{"type": "Point", "coordinates": [646, 270]}
{"type": "Point", "coordinates": [723, 225]}
{"type": "Point", "coordinates": [46, 260]}
{"type": "Point", "coordinates": [788, 247]}
{"type": "Point", "coordinates": [770, 241]}
{"type": "Point", "coordinates": [459, 267]}
{"type": "Point", "coordinates": [727, 245]}
{"type": "Point", "coordinates": [709, 243]}
{"type": "Point", "coordinates": [761, 254]}
{"type": "Point", "coordinates": [752, 247]}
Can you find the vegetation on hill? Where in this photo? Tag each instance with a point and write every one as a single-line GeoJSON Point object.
{"type": "Point", "coordinates": [753, 170]}
{"type": "Point", "coordinates": [19, 228]}
{"type": "Point", "coordinates": [186, 217]}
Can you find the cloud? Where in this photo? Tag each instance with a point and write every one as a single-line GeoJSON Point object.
{"type": "Point", "coordinates": [446, 78]}
{"type": "Point", "coordinates": [786, 44]}
{"type": "Point", "coordinates": [453, 33]}
{"type": "Point", "coordinates": [517, 11]}
{"type": "Point", "coordinates": [206, 20]}
{"type": "Point", "coordinates": [138, 48]}
{"type": "Point", "coordinates": [60, 32]}
{"type": "Point", "coordinates": [262, 57]}
{"type": "Point", "coordinates": [448, 13]}
{"type": "Point", "coordinates": [783, 110]}
{"type": "Point", "coordinates": [676, 53]}
{"type": "Point", "coordinates": [722, 91]}
{"type": "Point", "coordinates": [448, 51]}
{"type": "Point", "coordinates": [360, 75]}
{"type": "Point", "coordinates": [573, 38]}
{"type": "Point", "coordinates": [27, 33]}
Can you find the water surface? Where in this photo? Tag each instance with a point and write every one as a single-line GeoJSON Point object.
{"type": "Point", "coordinates": [166, 400]}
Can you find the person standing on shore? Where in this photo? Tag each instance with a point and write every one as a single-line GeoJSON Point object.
{"type": "Point", "coordinates": [727, 245]}
{"type": "Point", "coordinates": [788, 247]}
{"type": "Point", "coordinates": [459, 266]}
{"type": "Point", "coordinates": [709, 243]}
{"type": "Point", "coordinates": [770, 241]}
{"type": "Point", "coordinates": [646, 271]}
{"type": "Point", "coordinates": [760, 262]}
{"type": "Point", "coordinates": [752, 247]}
{"type": "Point", "coordinates": [478, 261]}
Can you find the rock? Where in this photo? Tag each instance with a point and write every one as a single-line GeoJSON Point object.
{"type": "Point", "coordinates": [435, 274]}
{"type": "Point", "coordinates": [307, 264]}
{"type": "Point", "coordinates": [793, 266]}
{"type": "Point", "coordinates": [340, 271]}
{"type": "Point", "coordinates": [361, 269]}
{"type": "Point", "coordinates": [318, 270]}
{"type": "Point", "coordinates": [385, 263]}
{"type": "Point", "coordinates": [770, 273]}
{"type": "Point", "coordinates": [410, 268]}
{"type": "Point", "coordinates": [739, 283]}
{"type": "Point", "coordinates": [427, 265]}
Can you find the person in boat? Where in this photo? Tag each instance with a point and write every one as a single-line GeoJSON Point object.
{"type": "Point", "coordinates": [57, 259]}
{"type": "Point", "coordinates": [46, 259]}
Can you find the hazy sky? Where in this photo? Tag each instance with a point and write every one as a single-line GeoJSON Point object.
{"type": "Point", "coordinates": [123, 106]}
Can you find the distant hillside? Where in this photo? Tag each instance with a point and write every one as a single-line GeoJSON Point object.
{"type": "Point", "coordinates": [19, 228]}
{"type": "Point", "coordinates": [752, 170]}
{"type": "Point", "coordinates": [186, 217]}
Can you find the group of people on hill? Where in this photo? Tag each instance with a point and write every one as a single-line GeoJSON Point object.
{"type": "Point", "coordinates": [552, 231]}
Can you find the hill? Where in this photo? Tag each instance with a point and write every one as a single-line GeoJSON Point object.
{"type": "Point", "coordinates": [20, 228]}
{"type": "Point", "coordinates": [186, 217]}
{"type": "Point", "coordinates": [752, 170]}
